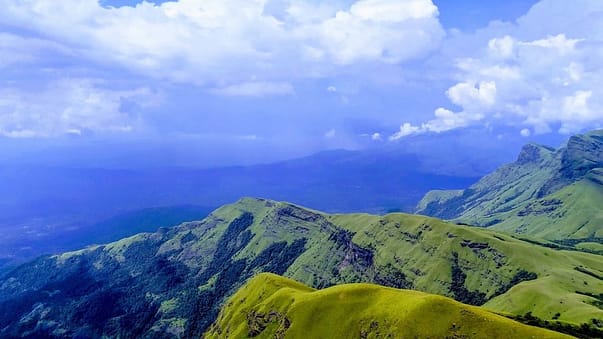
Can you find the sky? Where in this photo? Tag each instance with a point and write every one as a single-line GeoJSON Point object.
{"type": "Point", "coordinates": [218, 82]}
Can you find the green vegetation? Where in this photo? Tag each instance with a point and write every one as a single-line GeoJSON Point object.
{"type": "Point", "coordinates": [270, 306]}
{"type": "Point", "coordinates": [549, 194]}
{"type": "Point", "coordinates": [173, 282]}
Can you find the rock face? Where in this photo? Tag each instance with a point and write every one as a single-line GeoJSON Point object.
{"type": "Point", "coordinates": [532, 153]}
{"type": "Point", "coordinates": [172, 283]}
{"type": "Point", "coordinates": [581, 155]}
{"type": "Point", "coordinates": [546, 193]}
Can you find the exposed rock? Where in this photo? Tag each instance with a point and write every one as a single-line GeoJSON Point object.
{"type": "Point", "coordinates": [532, 153]}
{"type": "Point", "coordinates": [354, 254]}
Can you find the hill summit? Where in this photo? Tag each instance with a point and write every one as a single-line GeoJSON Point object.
{"type": "Point", "coordinates": [271, 306]}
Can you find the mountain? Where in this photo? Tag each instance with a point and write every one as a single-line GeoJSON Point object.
{"type": "Point", "coordinates": [554, 194]}
{"type": "Point", "coordinates": [41, 204]}
{"type": "Point", "coordinates": [172, 283]}
{"type": "Point", "coordinates": [277, 307]}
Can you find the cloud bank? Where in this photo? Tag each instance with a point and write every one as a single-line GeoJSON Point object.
{"type": "Point", "coordinates": [541, 74]}
{"type": "Point", "coordinates": [68, 106]}
{"type": "Point", "coordinates": [230, 41]}
{"type": "Point", "coordinates": [78, 53]}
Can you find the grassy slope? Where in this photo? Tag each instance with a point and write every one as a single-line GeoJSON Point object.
{"type": "Point", "coordinates": [553, 291]}
{"type": "Point", "coordinates": [549, 194]}
{"type": "Point", "coordinates": [397, 250]}
{"type": "Point", "coordinates": [580, 214]}
{"type": "Point", "coordinates": [356, 310]}
{"type": "Point", "coordinates": [421, 248]}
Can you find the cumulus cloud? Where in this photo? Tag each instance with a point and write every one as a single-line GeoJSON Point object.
{"type": "Point", "coordinates": [382, 30]}
{"type": "Point", "coordinates": [66, 106]}
{"type": "Point", "coordinates": [539, 75]}
{"type": "Point", "coordinates": [473, 96]}
{"type": "Point", "coordinates": [232, 41]}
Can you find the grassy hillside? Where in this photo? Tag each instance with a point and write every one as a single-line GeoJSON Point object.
{"type": "Point", "coordinates": [546, 193]}
{"type": "Point", "coordinates": [173, 282]}
{"type": "Point", "coordinates": [270, 306]}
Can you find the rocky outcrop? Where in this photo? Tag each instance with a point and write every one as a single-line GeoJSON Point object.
{"type": "Point", "coordinates": [533, 153]}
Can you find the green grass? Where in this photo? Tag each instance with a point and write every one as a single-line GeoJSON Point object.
{"type": "Point", "coordinates": [198, 265]}
{"type": "Point", "coordinates": [553, 291]}
{"type": "Point", "coordinates": [579, 215]}
{"type": "Point", "coordinates": [270, 306]}
{"type": "Point", "coordinates": [549, 194]}
{"type": "Point", "coordinates": [421, 248]}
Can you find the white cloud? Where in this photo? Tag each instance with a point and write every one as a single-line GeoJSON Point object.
{"type": "Point", "coordinates": [405, 129]}
{"type": "Point", "coordinates": [232, 41]}
{"type": "Point", "coordinates": [393, 11]}
{"type": "Point", "coordinates": [501, 47]}
{"type": "Point", "coordinates": [376, 136]}
{"type": "Point", "coordinates": [445, 120]}
{"type": "Point", "coordinates": [539, 75]}
{"type": "Point", "coordinates": [475, 96]}
{"type": "Point", "coordinates": [330, 134]}
{"type": "Point", "coordinates": [256, 89]}
{"type": "Point", "coordinates": [68, 106]}
{"type": "Point", "coordinates": [388, 31]}
{"type": "Point", "coordinates": [15, 49]}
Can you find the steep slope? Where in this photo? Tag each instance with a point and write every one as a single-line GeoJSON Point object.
{"type": "Point", "coordinates": [172, 283]}
{"type": "Point", "coordinates": [552, 194]}
{"type": "Point", "coordinates": [270, 306]}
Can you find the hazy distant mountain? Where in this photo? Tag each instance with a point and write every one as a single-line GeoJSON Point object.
{"type": "Point", "coordinates": [172, 283]}
{"type": "Point", "coordinates": [39, 204]}
{"type": "Point", "coordinates": [556, 194]}
{"type": "Point", "coordinates": [25, 244]}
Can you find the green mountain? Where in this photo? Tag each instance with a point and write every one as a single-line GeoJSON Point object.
{"type": "Point", "coordinates": [19, 249]}
{"type": "Point", "coordinates": [172, 283]}
{"type": "Point", "coordinates": [270, 306]}
{"type": "Point", "coordinates": [546, 193]}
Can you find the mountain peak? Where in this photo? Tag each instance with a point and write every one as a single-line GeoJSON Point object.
{"type": "Point", "coordinates": [533, 153]}
{"type": "Point", "coordinates": [546, 193]}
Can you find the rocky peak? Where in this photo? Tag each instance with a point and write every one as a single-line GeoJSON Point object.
{"type": "Point", "coordinates": [582, 154]}
{"type": "Point", "coordinates": [532, 153]}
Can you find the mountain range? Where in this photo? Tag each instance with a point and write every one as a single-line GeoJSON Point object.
{"type": "Point", "coordinates": [171, 283]}
{"type": "Point", "coordinates": [522, 245]}
{"type": "Point", "coordinates": [40, 205]}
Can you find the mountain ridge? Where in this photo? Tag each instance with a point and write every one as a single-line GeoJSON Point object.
{"type": "Point", "coordinates": [545, 193]}
{"type": "Point", "coordinates": [171, 283]}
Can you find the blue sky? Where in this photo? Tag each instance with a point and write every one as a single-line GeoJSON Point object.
{"type": "Point", "coordinates": [239, 81]}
